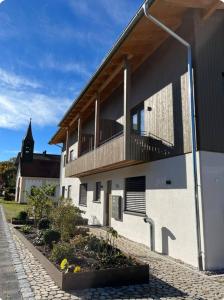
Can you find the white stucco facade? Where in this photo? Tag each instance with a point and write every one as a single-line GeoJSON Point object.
{"type": "Point", "coordinates": [26, 183]}
{"type": "Point", "coordinates": [171, 206]}
{"type": "Point", "coordinates": [212, 181]}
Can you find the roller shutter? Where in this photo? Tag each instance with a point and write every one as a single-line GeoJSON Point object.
{"type": "Point", "coordinates": [135, 195]}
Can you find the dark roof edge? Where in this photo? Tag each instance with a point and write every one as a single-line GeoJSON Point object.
{"type": "Point", "coordinates": [127, 30]}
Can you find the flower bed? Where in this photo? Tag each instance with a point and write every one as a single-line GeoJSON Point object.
{"type": "Point", "coordinates": [74, 258]}
{"type": "Point", "coordinates": [92, 271]}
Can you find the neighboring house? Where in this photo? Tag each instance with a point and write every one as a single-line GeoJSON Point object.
{"type": "Point", "coordinates": [35, 169]}
{"type": "Point", "coordinates": [127, 156]}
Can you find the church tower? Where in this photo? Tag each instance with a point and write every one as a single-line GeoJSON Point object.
{"type": "Point", "coordinates": [28, 145]}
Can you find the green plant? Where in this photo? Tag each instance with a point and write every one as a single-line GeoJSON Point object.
{"type": "Point", "coordinates": [80, 241]}
{"type": "Point", "coordinates": [40, 201]}
{"type": "Point", "coordinates": [39, 240]}
{"type": "Point", "coordinates": [26, 229]}
{"type": "Point", "coordinates": [51, 236]}
{"type": "Point", "coordinates": [44, 223]}
{"type": "Point", "coordinates": [65, 218]}
{"type": "Point", "coordinates": [22, 215]}
{"type": "Point", "coordinates": [61, 251]}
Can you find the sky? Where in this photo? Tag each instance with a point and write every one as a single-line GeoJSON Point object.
{"type": "Point", "coordinates": [48, 51]}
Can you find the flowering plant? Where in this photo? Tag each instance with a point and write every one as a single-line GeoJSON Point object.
{"type": "Point", "coordinates": [64, 264]}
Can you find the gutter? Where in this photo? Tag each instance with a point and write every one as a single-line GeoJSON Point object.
{"type": "Point", "coordinates": [191, 101]}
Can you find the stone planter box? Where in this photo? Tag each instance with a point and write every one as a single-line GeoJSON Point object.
{"type": "Point", "coordinates": [92, 279]}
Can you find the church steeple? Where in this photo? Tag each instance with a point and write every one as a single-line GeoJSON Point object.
{"type": "Point", "coordinates": [28, 145]}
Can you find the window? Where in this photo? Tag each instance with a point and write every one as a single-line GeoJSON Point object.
{"type": "Point", "coordinates": [138, 119]}
{"type": "Point", "coordinates": [53, 192]}
{"type": "Point", "coordinates": [32, 190]}
{"type": "Point", "coordinates": [63, 192]}
{"type": "Point", "coordinates": [69, 191]}
{"type": "Point", "coordinates": [71, 155]}
{"type": "Point", "coordinates": [83, 194]}
{"type": "Point", "coordinates": [98, 192]}
{"type": "Point", "coordinates": [135, 195]}
{"type": "Point", "coordinates": [65, 158]}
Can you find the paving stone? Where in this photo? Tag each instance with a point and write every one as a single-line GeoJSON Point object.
{"type": "Point", "coordinates": [168, 280]}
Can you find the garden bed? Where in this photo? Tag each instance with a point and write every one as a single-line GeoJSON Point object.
{"type": "Point", "coordinates": [131, 272]}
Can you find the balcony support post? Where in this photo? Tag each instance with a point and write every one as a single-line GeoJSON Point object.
{"type": "Point", "coordinates": [127, 117]}
{"type": "Point", "coordinates": [79, 137]}
{"type": "Point", "coordinates": [67, 145]}
{"type": "Point", "coordinates": [97, 122]}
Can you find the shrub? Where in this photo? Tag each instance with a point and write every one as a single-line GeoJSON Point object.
{"type": "Point", "coordinates": [39, 240]}
{"type": "Point", "coordinates": [40, 201]}
{"type": "Point", "coordinates": [65, 218]}
{"type": "Point", "coordinates": [62, 251]}
{"type": "Point", "coordinates": [44, 224]}
{"type": "Point", "coordinates": [80, 241]}
{"type": "Point", "coordinates": [26, 229]}
{"type": "Point", "coordinates": [22, 216]}
{"type": "Point", "coordinates": [51, 236]}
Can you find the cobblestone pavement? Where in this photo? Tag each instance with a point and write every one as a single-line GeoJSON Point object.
{"type": "Point", "coordinates": [168, 280]}
{"type": "Point", "coordinates": [9, 283]}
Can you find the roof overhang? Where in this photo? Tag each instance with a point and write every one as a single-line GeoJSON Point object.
{"type": "Point", "coordinates": [139, 40]}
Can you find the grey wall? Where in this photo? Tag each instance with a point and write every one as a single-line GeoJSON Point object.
{"type": "Point", "coordinates": [112, 108]}
{"type": "Point", "coordinates": [209, 65]}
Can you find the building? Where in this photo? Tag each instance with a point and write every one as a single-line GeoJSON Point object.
{"type": "Point", "coordinates": [127, 157]}
{"type": "Point", "coordinates": [35, 169]}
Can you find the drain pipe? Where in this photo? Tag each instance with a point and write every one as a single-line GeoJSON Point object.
{"type": "Point", "coordinates": [191, 100]}
{"type": "Point", "coordinates": [152, 232]}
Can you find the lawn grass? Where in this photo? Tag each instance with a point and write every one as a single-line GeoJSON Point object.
{"type": "Point", "coordinates": [12, 208]}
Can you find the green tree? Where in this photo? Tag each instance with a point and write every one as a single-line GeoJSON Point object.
{"type": "Point", "coordinates": [8, 173]}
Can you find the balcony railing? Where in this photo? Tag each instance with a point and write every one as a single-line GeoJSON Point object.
{"type": "Point", "coordinates": [110, 155]}
{"type": "Point", "coordinates": [144, 146]}
{"type": "Point", "coordinates": [103, 158]}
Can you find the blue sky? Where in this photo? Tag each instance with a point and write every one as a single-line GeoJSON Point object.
{"type": "Point", "coordinates": [48, 51]}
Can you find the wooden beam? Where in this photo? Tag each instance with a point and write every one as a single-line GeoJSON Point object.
{"type": "Point", "coordinates": [67, 145]}
{"type": "Point", "coordinates": [97, 122]}
{"type": "Point", "coordinates": [211, 9]}
{"type": "Point", "coordinates": [79, 136]}
{"type": "Point", "coordinates": [190, 3]}
{"type": "Point", "coordinates": [127, 117]}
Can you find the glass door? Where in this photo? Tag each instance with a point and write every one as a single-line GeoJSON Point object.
{"type": "Point", "coordinates": [138, 120]}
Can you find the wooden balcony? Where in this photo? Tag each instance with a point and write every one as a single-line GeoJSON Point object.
{"type": "Point", "coordinates": [106, 157]}
{"type": "Point", "coordinates": [110, 155]}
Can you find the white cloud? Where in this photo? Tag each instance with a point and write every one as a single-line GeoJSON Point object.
{"type": "Point", "coordinates": [15, 81]}
{"type": "Point", "coordinates": [17, 107]}
{"type": "Point", "coordinates": [118, 11]}
{"type": "Point", "coordinates": [72, 67]}
{"type": "Point", "coordinates": [1, 1]}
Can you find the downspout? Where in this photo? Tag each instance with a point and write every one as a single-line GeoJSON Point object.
{"type": "Point", "coordinates": [191, 100]}
{"type": "Point", "coordinates": [152, 232]}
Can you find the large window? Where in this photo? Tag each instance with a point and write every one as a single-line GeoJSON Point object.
{"type": "Point", "coordinates": [83, 194]}
{"type": "Point", "coordinates": [138, 120]}
{"type": "Point", "coordinates": [97, 197]}
{"type": "Point", "coordinates": [135, 195]}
